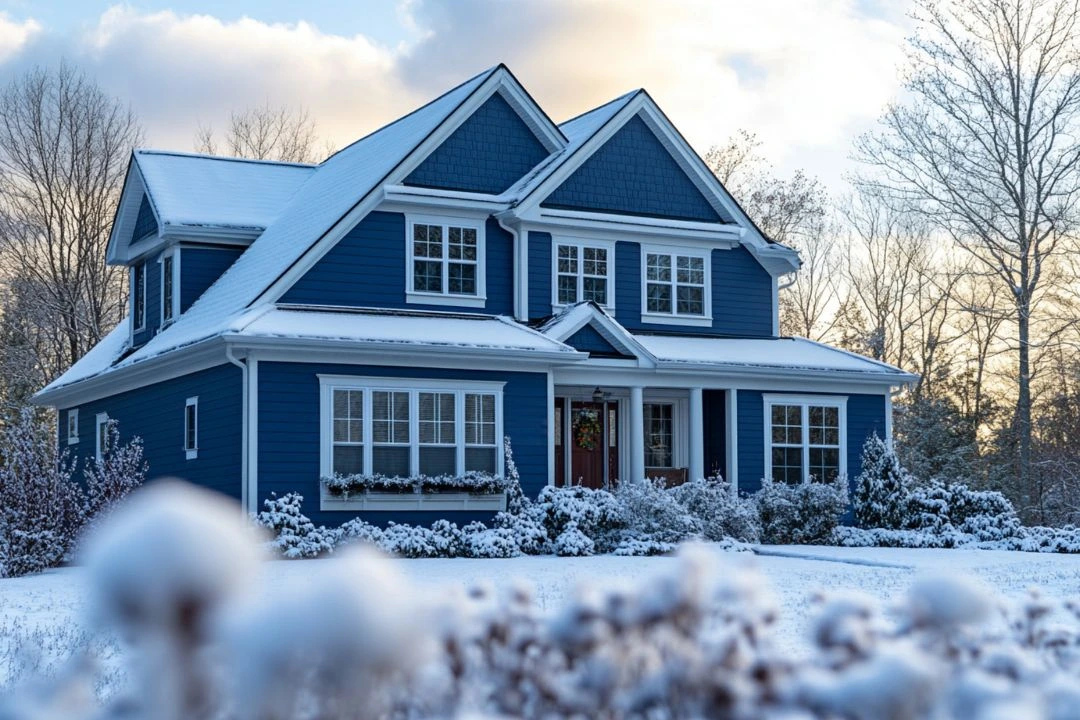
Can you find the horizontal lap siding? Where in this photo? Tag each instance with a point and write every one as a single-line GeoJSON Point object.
{"type": "Point", "coordinates": [633, 174]}
{"type": "Point", "coordinates": [491, 151]}
{"type": "Point", "coordinates": [289, 432]}
{"type": "Point", "coordinates": [156, 414]}
{"type": "Point", "coordinates": [865, 416]}
{"type": "Point", "coordinates": [539, 274]}
{"type": "Point", "coordinates": [200, 268]}
{"type": "Point", "coordinates": [367, 269]}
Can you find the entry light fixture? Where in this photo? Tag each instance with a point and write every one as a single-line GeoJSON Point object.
{"type": "Point", "coordinates": [598, 395]}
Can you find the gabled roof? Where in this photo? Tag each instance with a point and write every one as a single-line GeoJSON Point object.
{"type": "Point", "coordinates": [574, 317]}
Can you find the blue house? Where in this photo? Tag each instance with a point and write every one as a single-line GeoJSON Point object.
{"type": "Point", "coordinates": [470, 271]}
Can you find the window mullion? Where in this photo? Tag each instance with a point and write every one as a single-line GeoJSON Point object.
{"type": "Point", "coordinates": [446, 260]}
{"type": "Point", "coordinates": [805, 442]}
{"type": "Point", "coordinates": [369, 434]}
{"type": "Point", "coordinates": [459, 432]}
{"type": "Point", "coordinates": [414, 432]}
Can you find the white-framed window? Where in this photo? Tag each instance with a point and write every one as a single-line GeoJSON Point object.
{"type": "Point", "coordinates": [675, 286]}
{"type": "Point", "coordinates": [445, 261]}
{"type": "Point", "coordinates": [805, 438]}
{"type": "Point", "coordinates": [170, 285]}
{"type": "Point", "coordinates": [659, 424]}
{"type": "Point", "coordinates": [191, 428]}
{"type": "Point", "coordinates": [73, 426]}
{"type": "Point", "coordinates": [138, 296]}
{"type": "Point", "coordinates": [101, 436]}
{"type": "Point", "coordinates": [583, 271]}
{"type": "Point", "coordinates": [415, 427]}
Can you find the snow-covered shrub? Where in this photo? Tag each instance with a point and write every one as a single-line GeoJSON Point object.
{"type": "Point", "coordinates": [879, 498]}
{"type": "Point", "coordinates": [572, 542]}
{"type": "Point", "coordinates": [358, 531]}
{"type": "Point", "coordinates": [650, 510]}
{"type": "Point", "coordinates": [987, 514]}
{"type": "Point", "coordinates": [109, 479]}
{"type": "Point", "coordinates": [41, 503]}
{"type": "Point", "coordinates": [720, 512]}
{"type": "Point", "coordinates": [516, 502]}
{"type": "Point", "coordinates": [480, 541]}
{"type": "Point", "coordinates": [884, 537]}
{"type": "Point", "coordinates": [527, 529]}
{"type": "Point", "coordinates": [802, 514]}
{"type": "Point", "coordinates": [413, 541]}
{"type": "Point", "coordinates": [595, 513]}
{"type": "Point", "coordinates": [293, 534]}
{"type": "Point", "coordinates": [634, 544]}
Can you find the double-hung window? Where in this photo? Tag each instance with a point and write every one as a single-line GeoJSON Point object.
{"type": "Point", "coordinates": [416, 427]}
{"type": "Point", "coordinates": [446, 262]}
{"type": "Point", "coordinates": [101, 436]}
{"type": "Point", "coordinates": [659, 434]}
{"type": "Point", "coordinates": [169, 275]}
{"type": "Point", "coordinates": [73, 426]}
{"type": "Point", "coordinates": [191, 428]}
{"type": "Point", "coordinates": [805, 438]}
{"type": "Point", "coordinates": [676, 285]}
{"type": "Point", "coordinates": [584, 272]}
{"type": "Point", "coordinates": [138, 296]}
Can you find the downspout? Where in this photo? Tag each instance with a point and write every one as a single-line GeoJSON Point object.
{"type": "Point", "coordinates": [244, 427]}
{"type": "Point", "coordinates": [521, 269]}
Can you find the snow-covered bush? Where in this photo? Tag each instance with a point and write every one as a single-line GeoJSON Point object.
{"type": "Point", "coordinates": [41, 503]}
{"type": "Point", "coordinates": [801, 514]}
{"type": "Point", "coordinates": [293, 533]}
{"type": "Point", "coordinates": [879, 498]}
{"type": "Point", "coordinates": [573, 542]}
{"type": "Point", "coordinates": [516, 502]}
{"type": "Point", "coordinates": [596, 514]}
{"type": "Point", "coordinates": [110, 478]}
{"type": "Point", "coordinates": [720, 512]}
{"type": "Point", "coordinates": [651, 511]}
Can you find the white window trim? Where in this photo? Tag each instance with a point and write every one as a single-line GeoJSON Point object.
{"type": "Point", "coordinates": [580, 244]}
{"type": "Point", "coordinates": [191, 445]}
{"type": "Point", "coordinates": [138, 323]}
{"type": "Point", "coordinates": [674, 318]}
{"type": "Point", "coordinates": [329, 383]}
{"type": "Point", "coordinates": [680, 423]}
{"type": "Point", "coordinates": [805, 401]}
{"type": "Point", "coordinates": [99, 420]}
{"type": "Point", "coordinates": [479, 300]}
{"type": "Point", "coordinates": [73, 414]}
{"type": "Point", "coordinates": [174, 254]}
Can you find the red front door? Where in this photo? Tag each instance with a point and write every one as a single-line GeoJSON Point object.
{"type": "Point", "coordinates": [593, 439]}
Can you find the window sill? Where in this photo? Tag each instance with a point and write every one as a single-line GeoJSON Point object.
{"type": "Point", "coordinates": [692, 320]}
{"type": "Point", "coordinates": [73, 441]}
{"type": "Point", "coordinates": [435, 502]}
{"type": "Point", "coordinates": [191, 454]}
{"type": "Point", "coordinates": [473, 301]}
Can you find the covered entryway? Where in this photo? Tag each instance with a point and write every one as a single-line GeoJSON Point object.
{"type": "Point", "coordinates": [587, 441]}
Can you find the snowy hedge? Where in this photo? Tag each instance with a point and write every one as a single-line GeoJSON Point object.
{"type": "Point", "coordinates": [172, 574]}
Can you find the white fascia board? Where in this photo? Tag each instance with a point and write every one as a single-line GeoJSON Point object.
{"type": "Point", "coordinates": [549, 133]}
{"type": "Point", "coordinates": [591, 374]}
{"type": "Point", "coordinates": [408, 195]}
{"type": "Point", "coordinates": [607, 225]}
{"type": "Point", "coordinates": [875, 379]}
{"type": "Point", "coordinates": [217, 233]}
{"type": "Point", "coordinates": [177, 363]}
{"type": "Point", "coordinates": [610, 330]}
{"type": "Point", "coordinates": [369, 202]}
{"type": "Point", "coordinates": [127, 214]}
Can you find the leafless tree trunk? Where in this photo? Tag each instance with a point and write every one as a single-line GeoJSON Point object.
{"type": "Point", "coordinates": [64, 149]}
{"type": "Point", "coordinates": [266, 133]}
{"type": "Point", "coordinates": [986, 148]}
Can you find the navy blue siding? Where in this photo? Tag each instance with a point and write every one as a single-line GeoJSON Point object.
{"type": "Point", "coordinates": [200, 267]}
{"type": "Point", "coordinates": [367, 269]}
{"type": "Point", "coordinates": [715, 431]}
{"type": "Point", "coordinates": [539, 274]}
{"type": "Point", "coordinates": [289, 431]}
{"type": "Point", "coordinates": [628, 284]}
{"type": "Point", "coordinates": [145, 222]}
{"type": "Point", "coordinates": [153, 302]}
{"type": "Point", "coordinates": [865, 416]}
{"type": "Point", "coordinates": [491, 151]}
{"type": "Point", "coordinates": [156, 414]}
{"type": "Point", "coordinates": [633, 174]}
{"type": "Point", "coordinates": [589, 340]}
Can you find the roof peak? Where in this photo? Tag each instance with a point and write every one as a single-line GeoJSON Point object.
{"type": "Point", "coordinates": [222, 158]}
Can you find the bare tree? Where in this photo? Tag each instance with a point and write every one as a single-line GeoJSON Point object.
{"type": "Point", "coordinates": [64, 149]}
{"type": "Point", "coordinates": [265, 132]}
{"type": "Point", "coordinates": [986, 148]}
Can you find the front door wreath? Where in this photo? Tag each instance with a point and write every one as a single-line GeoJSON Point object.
{"type": "Point", "coordinates": [587, 429]}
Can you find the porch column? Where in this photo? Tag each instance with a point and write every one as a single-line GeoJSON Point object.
{"type": "Point", "coordinates": [697, 434]}
{"type": "Point", "coordinates": [637, 434]}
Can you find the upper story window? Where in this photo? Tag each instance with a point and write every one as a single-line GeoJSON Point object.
{"type": "Point", "coordinates": [191, 428]}
{"type": "Point", "coordinates": [138, 296]}
{"type": "Point", "coordinates": [73, 426]}
{"type": "Point", "coordinates": [806, 438]}
{"type": "Point", "coordinates": [169, 273]}
{"type": "Point", "coordinates": [584, 272]}
{"type": "Point", "coordinates": [445, 262]}
{"type": "Point", "coordinates": [676, 287]}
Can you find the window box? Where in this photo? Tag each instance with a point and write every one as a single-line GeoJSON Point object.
{"type": "Point", "coordinates": [411, 496]}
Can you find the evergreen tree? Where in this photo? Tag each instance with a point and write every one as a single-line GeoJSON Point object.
{"type": "Point", "coordinates": [881, 488]}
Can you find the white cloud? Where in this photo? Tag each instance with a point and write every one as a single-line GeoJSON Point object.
{"type": "Point", "coordinates": [14, 35]}
{"type": "Point", "coordinates": [805, 76]}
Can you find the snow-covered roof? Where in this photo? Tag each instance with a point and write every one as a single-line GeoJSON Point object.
{"type": "Point", "coordinates": [99, 359]}
{"type": "Point", "coordinates": [189, 190]}
{"type": "Point", "coordinates": [763, 353]}
{"type": "Point", "coordinates": [387, 328]}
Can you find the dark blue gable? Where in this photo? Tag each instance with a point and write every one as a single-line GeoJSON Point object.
{"type": "Point", "coordinates": [200, 267]}
{"type": "Point", "coordinates": [145, 223]}
{"type": "Point", "coordinates": [589, 340]}
{"type": "Point", "coordinates": [367, 269]}
{"type": "Point", "coordinates": [491, 151]}
{"type": "Point", "coordinates": [633, 174]}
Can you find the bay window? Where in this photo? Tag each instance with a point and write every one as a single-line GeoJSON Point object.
{"type": "Point", "coordinates": [584, 272]}
{"type": "Point", "coordinates": [445, 261]}
{"type": "Point", "coordinates": [805, 438]}
{"type": "Point", "coordinates": [404, 428]}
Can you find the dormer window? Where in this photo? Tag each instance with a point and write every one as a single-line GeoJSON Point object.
{"type": "Point", "coordinates": [584, 272]}
{"type": "Point", "coordinates": [676, 286]}
{"type": "Point", "coordinates": [138, 296]}
{"type": "Point", "coordinates": [169, 276]}
{"type": "Point", "coordinates": [445, 262]}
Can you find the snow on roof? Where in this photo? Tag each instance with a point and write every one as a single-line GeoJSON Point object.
{"type": "Point", "coordinates": [775, 353]}
{"type": "Point", "coordinates": [100, 358]}
{"type": "Point", "coordinates": [205, 191]}
{"type": "Point", "coordinates": [333, 189]}
{"type": "Point", "coordinates": [402, 327]}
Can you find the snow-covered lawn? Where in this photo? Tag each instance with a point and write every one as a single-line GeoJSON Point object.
{"type": "Point", "coordinates": [46, 611]}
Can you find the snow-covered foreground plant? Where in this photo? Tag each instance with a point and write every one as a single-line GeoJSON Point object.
{"type": "Point", "coordinates": [171, 574]}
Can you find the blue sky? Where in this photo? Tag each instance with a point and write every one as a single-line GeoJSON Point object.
{"type": "Point", "coordinates": [806, 76]}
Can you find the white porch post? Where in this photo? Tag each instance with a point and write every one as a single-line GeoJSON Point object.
{"type": "Point", "coordinates": [697, 434]}
{"type": "Point", "coordinates": [637, 433]}
{"type": "Point", "coordinates": [732, 422]}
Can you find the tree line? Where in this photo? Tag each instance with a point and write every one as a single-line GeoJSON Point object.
{"type": "Point", "coordinates": [952, 253]}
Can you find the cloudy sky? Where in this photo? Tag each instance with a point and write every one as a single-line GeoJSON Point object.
{"type": "Point", "coordinates": [806, 75]}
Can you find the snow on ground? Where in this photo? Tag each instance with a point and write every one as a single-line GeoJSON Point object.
{"type": "Point", "coordinates": [45, 611]}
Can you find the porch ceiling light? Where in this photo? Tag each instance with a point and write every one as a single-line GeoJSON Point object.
{"type": "Point", "coordinates": [598, 395]}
